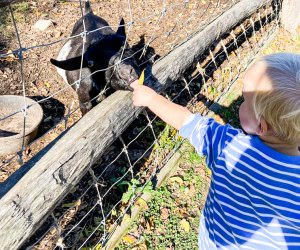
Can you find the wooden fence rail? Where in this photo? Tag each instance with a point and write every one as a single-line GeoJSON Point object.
{"type": "Point", "coordinates": [31, 194]}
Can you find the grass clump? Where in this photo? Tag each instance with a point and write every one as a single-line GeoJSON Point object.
{"type": "Point", "coordinates": [172, 217]}
{"type": "Point", "coordinates": [20, 11]}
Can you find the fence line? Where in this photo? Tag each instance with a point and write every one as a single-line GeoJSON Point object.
{"type": "Point", "coordinates": [19, 53]}
{"type": "Point", "coordinates": [98, 181]}
{"type": "Point", "coordinates": [77, 82]}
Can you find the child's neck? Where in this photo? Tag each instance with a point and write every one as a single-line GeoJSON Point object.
{"type": "Point", "coordinates": [280, 146]}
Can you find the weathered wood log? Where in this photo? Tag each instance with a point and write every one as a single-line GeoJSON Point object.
{"type": "Point", "coordinates": [27, 201]}
{"type": "Point", "coordinates": [4, 3]}
{"type": "Point", "coordinates": [290, 17]}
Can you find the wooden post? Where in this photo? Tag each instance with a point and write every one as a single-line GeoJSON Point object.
{"type": "Point", "coordinates": [290, 18]}
{"type": "Point", "coordinates": [28, 198]}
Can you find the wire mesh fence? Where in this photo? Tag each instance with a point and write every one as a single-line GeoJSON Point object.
{"type": "Point", "coordinates": [90, 213]}
{"type": "Point", "coordinates": [158, 30]}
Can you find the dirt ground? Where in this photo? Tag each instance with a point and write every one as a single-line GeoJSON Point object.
{"type": "Point", "coordinates": [162, 24]}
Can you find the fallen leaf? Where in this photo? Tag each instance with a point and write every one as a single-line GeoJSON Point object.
{"type": "Point", "coordinates": [164, 213]}
{"type": "Point", "coordinates": [113, 212]}
{"type": "Point", "coordinates": [141, 203]}
{"type": "Point", "coordinates": [176, 179]}
{"type": "Point", "coordinates": [98, 247]}
{"type": "Point", "coordinates": [78, 203]}
{"type": "Point", "coordinates": [148, 226]}
{"type": "Point", "coordinates": [185, 225]}
{"type": "Point", "coordinates": [48, 85]}
{"type": "Point", "coordinates": [129, 239]}
{"type": "Point", "coordinates": [151, 221]}
{"type": "Point", "coordinates": [10, 55]}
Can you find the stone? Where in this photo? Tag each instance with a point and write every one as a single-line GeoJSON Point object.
{"type": "Point", "coordinates": [43, 24]}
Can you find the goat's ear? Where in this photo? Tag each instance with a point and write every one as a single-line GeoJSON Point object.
{"type": "Point", "coordinates": [121, 29]}
{"type": "Point", "coordinates": [69, 64]}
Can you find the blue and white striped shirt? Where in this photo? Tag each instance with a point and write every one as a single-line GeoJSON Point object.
{"type": "Point", "coordinates": [254, 196]}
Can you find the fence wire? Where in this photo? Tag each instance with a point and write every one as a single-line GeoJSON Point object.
{"type": "Point", "coordinates": [89, 215]}
{"type": "Point", "coordinates": [158, 15]}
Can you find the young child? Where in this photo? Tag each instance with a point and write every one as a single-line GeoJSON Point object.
{"type": "Point", "coordinates": [254, 196]}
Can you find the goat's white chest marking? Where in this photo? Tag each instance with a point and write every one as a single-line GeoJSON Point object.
{"type": "Point", "coordinates": [63, 53]}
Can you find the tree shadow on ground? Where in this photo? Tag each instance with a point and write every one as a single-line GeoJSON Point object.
{"type": "Point", "coordinates": [229, 114]}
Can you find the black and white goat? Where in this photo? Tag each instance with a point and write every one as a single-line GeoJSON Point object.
{"type": "Point", "coordinates": [108, 60]}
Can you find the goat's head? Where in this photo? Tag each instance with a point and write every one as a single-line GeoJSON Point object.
{"type": "Point", "coordinates": [107, 60]}
{"type": "Point", "coordinates": [123, 69]}
{"type": "Point", "coordinates": [109, 53]}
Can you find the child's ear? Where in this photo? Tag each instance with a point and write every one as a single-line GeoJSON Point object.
{"type": "Point", "coordinates": [263, 128]}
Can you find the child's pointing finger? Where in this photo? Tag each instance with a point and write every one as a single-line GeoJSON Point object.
{"type": "Point", "coordinates": [135, 84]}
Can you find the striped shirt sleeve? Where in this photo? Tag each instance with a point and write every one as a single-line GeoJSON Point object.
{"type": "Point", "coordinates": [206, 135]}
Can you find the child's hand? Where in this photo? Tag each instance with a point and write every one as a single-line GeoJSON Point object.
{"type": "Point", "coordinates": [171, 113]}
{"type": "Point", "coordinates": [142, 95]}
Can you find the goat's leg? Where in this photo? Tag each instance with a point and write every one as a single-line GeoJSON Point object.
{"type": "Point", "coordinates": [85, 107]}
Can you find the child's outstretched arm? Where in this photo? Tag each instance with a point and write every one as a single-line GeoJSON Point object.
{"type": "Point", "coordinates": [171, 113]}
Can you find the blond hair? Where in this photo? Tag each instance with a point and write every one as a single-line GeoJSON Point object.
{"type": "Point", "coordinates": [280, 107]}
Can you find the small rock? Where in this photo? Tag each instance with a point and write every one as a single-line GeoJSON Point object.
{"type": "Point", "coordinates": [7, 70]}
{"type": "Point", "coordinates": [43, 24]}
{"type": "Point", "coordinates": [57, 34]}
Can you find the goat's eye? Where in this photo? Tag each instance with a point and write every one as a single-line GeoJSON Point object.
{"type": "Point", "coordinates": [90, 64]}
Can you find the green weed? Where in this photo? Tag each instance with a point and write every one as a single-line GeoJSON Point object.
{"type": "Point", "coordinates": [134, 187]}
{"type": "Point", "coordinates": [193, 157]}
{"type": "Point", "coordinates": [21, 7]}
{"type": "Point", "coordinates": [20, 11]}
